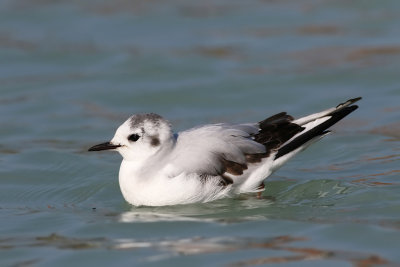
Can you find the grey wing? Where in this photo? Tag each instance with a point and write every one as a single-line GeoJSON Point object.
{"type": "Point", "coordinates": [212, 150]}
{"type": "Point", "coordinates": [224, 151]}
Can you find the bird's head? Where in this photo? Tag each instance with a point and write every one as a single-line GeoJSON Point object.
{"type": "Point", "coordinates": [139, 137]}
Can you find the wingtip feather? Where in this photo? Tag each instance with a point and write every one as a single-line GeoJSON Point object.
{"type": "Point", "coordinates": [348, 102]}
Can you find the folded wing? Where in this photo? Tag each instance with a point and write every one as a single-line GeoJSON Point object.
{"type": "Point", "coordinates": [228, 152]}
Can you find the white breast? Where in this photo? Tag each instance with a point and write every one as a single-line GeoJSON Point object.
{"type": "Point", "coordinates": [157, 189]}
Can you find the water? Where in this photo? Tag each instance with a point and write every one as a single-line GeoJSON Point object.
{"type": "Point", "coordinates": [72, 71]}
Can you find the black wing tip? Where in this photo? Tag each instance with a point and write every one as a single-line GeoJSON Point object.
{"type": "Point", "coordinates": [349, 102]}
{"type": "Point", "coordinates": [319, 130]}
{"type": "Point", "coordinates": [347, 110]}
{"type": "Point", "coordinates": [340, 114]}
{"type": "Point", "coordinates": [353, 100]}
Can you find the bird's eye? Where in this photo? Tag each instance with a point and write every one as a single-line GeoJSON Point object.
{"type": "Point", "coordinates": [133, 137]}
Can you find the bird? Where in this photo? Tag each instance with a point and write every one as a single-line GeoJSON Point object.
{"type": "Point", "coordinates": [210, 162]}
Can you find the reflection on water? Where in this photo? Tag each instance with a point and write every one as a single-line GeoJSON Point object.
{"type": "Point", "coordinates": [221, 211]}
{"type": "Point", "coordinates": [291, 246]}
{"type": "Point", "coordinates": [148, 216]}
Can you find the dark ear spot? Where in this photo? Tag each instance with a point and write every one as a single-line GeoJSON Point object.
{"type": "Point", "coordinates": [155, 141]}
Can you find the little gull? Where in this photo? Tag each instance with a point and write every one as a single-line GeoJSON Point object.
{"type": "Point", "coordinates": [213, 161]}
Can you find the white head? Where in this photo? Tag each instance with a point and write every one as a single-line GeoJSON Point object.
{"type": "Point", "coordinates": [139, 137]}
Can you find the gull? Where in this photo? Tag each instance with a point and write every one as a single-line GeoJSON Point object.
{"type": "Point", "coordinates": [210, 162]}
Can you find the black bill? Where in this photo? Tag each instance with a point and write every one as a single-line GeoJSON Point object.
{"type": "Point", "coordinates": [103, 146]}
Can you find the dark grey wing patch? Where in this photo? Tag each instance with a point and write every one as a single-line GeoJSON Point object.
{"type": "Point", "coordinates": [232, 167]}
{"type": "Point", "coordinates": [255, 158]}
{"type": "Point", "coordinates": [226, 167]}
{"type": "Point", "coordinates": [275, 131]}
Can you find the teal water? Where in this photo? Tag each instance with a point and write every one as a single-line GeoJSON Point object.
{"type": "Point", "coordinates": [72, 71]}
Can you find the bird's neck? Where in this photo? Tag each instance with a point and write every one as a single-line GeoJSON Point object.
{"type": "Point", "coordinates": [146, 167]}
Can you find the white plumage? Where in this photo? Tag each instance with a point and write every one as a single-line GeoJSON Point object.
{"type": "Point", "coordinates": [212, 161]}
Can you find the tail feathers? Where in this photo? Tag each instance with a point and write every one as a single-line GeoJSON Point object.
{"type": "Point", "coordinates": [328, 118]}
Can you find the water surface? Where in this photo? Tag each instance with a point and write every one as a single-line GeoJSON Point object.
{"type": "Point", "coordinates": [73, 71]}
